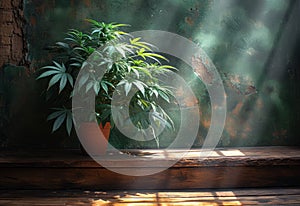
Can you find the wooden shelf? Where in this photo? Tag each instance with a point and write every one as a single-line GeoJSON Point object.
{"type": "Point", "coordinates": [225, 168]}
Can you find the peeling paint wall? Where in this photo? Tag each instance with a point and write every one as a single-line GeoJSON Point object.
{"type": "Point", "coordinates": [253, 43]}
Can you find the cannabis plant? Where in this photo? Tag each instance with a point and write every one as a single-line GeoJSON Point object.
{"type": "Point", "coordinates": [130, 66]}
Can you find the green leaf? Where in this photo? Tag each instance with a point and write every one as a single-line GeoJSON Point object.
{"type": "Point", "coordinates": [54, 80]}
{"type": "Point", "coordinates": [79, 49]}
{"type": "Point", "coordinates": [61, 67]}
{"type": "Point", "coordinates": [70, 79]}
{"type": "Point", "coordinates": [157, 55]}
{"type": "Point", "coordinates": [94, 22]}
{"type": "Point", "coordinates": [55, 115]}
{"type": "Point", "coordinates": [109, 66]}
{"type": "Point", "coordinates": [155, 92]}
{"type": "Point", "coordinates": [63, 82]}
{"type": "Point", "coordinates": [137, 42]}
{"type": "Point", "coordinates": [120, 50]}
{"type": "Point", "coordinates": [136, 72]}
{"type": "Point", "coordinates": [108, 83]}
{"type": "Point", "coordinates": [89, 86]}
{"type": "Point", "coordinates": [153, 55]}
{"type": "Point", "coordinates": [51, 67]}
{"type": "Point", "coordinates": [167, 67]}
{"type": "Point", "coordinates": [164, 96]}
{"type": "Point", "coordinates": [71, 39]}
{"type": "Point", "coordinates": [76, 64]}
{"type": "Point", "coordinates": [105, 114]}
{"type": "Point", "coordinates": [141, 86]}
{"type": "Point", "coordinates": [58, 122]}
{"type": "Point", "coordinates": [119, 33]}
{"type": "Point", "coordinates": [83, 79]}
{"type": "Point", "coordinates": [104, 86]}
{"type": "Point", "coordinates": [133, 41]}
{"type": "Point", "coordinates": [127, 87]}
{"type": "Point", "coordinates": [119, 25]}
{"type": "Point", "coordinates": [141, 53]}
{"type": "Point", "coordinates": [143, 69]}
{"type": "Point", "coordinates": [69, 122]}
{"type": "Point", "coordinates": [96, 87]}
{"type": "Point", "coordinates": [62, 44]}
{"type": "Point", "coordinates": [47, 73]}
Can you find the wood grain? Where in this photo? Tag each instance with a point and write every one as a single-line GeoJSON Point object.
{"type": "Point", "coordinates": [227, 168]}
{"type": "Point", "coordinates": [264, 196]}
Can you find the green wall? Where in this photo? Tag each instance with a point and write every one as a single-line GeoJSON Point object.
{"type": "Point", "coordinates": [253, 43]}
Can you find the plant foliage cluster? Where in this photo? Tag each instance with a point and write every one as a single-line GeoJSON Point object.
{"type": "Point", "coordinates": [128, 66]}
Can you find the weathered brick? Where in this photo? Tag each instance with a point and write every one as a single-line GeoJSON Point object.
{"type": "Point", "coordinates": [5, 40]}
{"type": "Point", "coordinates": [5, 4]}
{"type": "Point", "coordinates": [6, 30]}
{"type": "Point", "coordinates": [17, 3]}
{"type": "Point", "coordinates": [11, 35]}
{"type": "Point", "coordinates": [6, 16]}
{"type": "Point", "coordinates": [17, 47]}
{"type": "Point", "coordinates": [4, 60]}
{"type": "Point", "coordinates": [5, 50]}
{"type": "Point", "coordinates": [17, 30]}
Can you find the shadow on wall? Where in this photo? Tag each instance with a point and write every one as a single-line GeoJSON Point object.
{"type": "Point", "coordinates": [23, 112]}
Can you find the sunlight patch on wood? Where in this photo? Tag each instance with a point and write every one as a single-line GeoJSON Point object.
{"type": "Point", "coordinates": [172, 198]}
{"type": "Point", "coordinates": [235, 153]}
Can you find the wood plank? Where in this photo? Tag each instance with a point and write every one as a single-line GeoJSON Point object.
{"type": "Point", "coordinates": [173, 178]}
{"type": "Point", "coordinates": [262, 156]}
{"type": "Point", "coordinates": [264, 196]}
{"type": "Point", "coordinates": [227, 167]}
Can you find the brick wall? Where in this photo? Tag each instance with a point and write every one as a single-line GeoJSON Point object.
{"type": "Point", "coordinates": [12, 43]}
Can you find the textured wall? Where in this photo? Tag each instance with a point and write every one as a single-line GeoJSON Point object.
{"type": "Point", "coordinates": [12, 43]}
{"type": "Point", "coordinates": [254, 45]}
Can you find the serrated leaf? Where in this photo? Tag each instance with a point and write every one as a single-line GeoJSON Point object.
{"type": "Point", "coordinates": [141, 44]}
{"type": "Point", "coordinates": [104, 86]}
{"type": "Point", "coordinates": [140, 52]}
{"type": "Point", "coordinates": [58, 122]}
{"type": "Point", "coordinates": [61, 67]}
{"type": "Point", "coordinates": [47, 73]}
{"type": "Point", "coordinates": [70, 79]}
{"type": "Point", "coordinates": [133, 41]}
{"type": "Point", "coordinates": [55, 115]}
{"type": "Point", "coordinates": [63, 82]}
{"type": "Point", "coordinates": [54, 80]}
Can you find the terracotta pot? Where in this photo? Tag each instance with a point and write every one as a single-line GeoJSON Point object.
{"type": "Point", "coordinates": [92, 139]}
